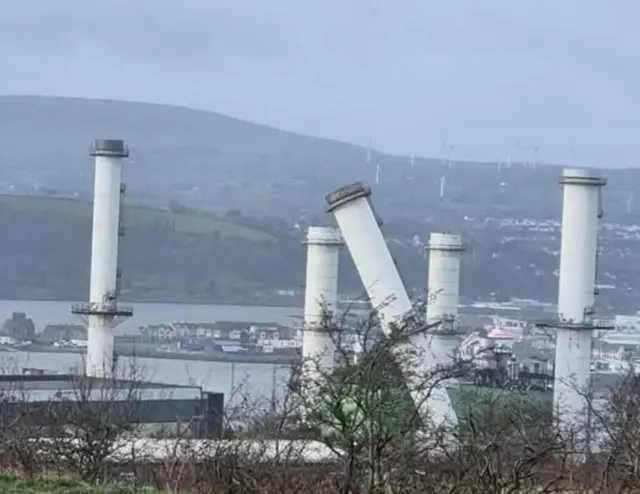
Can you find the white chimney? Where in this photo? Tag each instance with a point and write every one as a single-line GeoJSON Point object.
{"type": "Point", "coordinates": [445, 251]}
{"type": "Point", "coordinates": [102, 313]}
{"type": "Point", "coordinates": [320, 301]}
{"type": "Point", "coordinates": [577, 283]}
{"type": "Point", "coordinates": [360, 229]}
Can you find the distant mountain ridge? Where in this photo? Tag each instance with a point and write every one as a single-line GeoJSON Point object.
{"type": "Point", "coordinates": [174, 149]}
{"type": "Point", "coordinates": [209, 161]}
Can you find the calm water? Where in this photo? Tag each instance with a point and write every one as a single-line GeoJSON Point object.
{"type": "Point", "coordinates": [256, 379]}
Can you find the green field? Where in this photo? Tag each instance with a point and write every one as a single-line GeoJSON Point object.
{"type": "Point", "coordinates": [17, 485]}
{"type": "Point", "coordinates": [468, 397]}
{"type": "Point", "coordinates": [138, 216]}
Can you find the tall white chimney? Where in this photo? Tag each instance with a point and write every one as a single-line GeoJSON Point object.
{"type": "Point", "coordinates": [582, 208]}
{"type": "Point", "coordinates": [102, 313]}
{"type": "Point", "coordinates": [320, 301]}
{"type": "Point", "coordinates": [360, 229]}
{"type": "Point", "coordinates": [445, 251]}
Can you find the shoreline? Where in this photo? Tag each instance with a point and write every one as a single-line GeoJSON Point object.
{"type": "Point", "coordinates": [128, 351]}
{"type": "Point", "coordinates": [353, 304]}
{"type": "Point", "coordinates": [239, 303]}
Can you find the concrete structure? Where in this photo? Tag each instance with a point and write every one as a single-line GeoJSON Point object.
{"type": "Point", "coordinates": [445, 250]}
{"type": "Point", "coordinates": [320, 301]}
{"type": "Point", "coordinates": [38, 398]}
{"type": "Point", "coordinates": [360, 229]}
{"type": "Point", "coordinates": [102, 313]}
{"type": "Point", "coordinates": [581, 211]}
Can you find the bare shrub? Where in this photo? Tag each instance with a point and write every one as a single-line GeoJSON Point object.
{"type": "Point", "coordinates": [365, 409]}
{"type": "Point", "coordinates": [88, 419]}
{"type": "Point", "coordinates": [361, 432]}
{"type": "Point", "coordinates": [20, 429]}
{"type": "Point", "coordinates": [261, 457]}
{"type": "Point", "coordinates": [616, 429]}
{"type": "Point", "coordinates": [507, 443]}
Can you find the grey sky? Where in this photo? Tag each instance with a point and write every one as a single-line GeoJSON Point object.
{"type": "Point", "coordinates": [562, 75]}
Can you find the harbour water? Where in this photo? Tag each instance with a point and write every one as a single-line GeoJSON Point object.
{"type": "Point", "coordinates": [257, 380]}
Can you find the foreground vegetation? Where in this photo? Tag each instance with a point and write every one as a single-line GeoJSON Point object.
{"type": "Point", "coordinates": [20, 485]}
{"type": "Point", "coordinates": [350, 431]}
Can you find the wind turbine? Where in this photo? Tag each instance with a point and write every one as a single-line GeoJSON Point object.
{"type": "Point", "coordinates": [535, 150]}
{"type": "Point", "coordinates": [412, 163]}
{"type": "Point", "coordinates": [518, 149]}
{"type": "Point", "coordinates": [448, 151]}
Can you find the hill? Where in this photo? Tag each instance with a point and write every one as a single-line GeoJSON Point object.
{"type": "Point", "coordinates": [261, 187]}
{"type": "Point", "coordinates": [138, 217]}
{"type": "Point", "coordinates": [198, 257]}
{"type": "Point", "coordinates": [208, 161]}
{"type": "Point", "coordinates": [186, 256]}
{"type": "Point", "coordinates": [165, 255]}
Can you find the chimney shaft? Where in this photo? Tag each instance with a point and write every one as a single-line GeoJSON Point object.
{"type": "Point", "coordinates": [320, 301]}
{"type": "Point", "coordinates": [361, 232]}
{"type": "Point", "coordinates": [102, 312]}
{"type": "Point", "coordinates": [581, 211]}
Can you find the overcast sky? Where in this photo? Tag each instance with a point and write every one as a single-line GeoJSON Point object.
{"type": "Point", "coordinates": [560, 75]}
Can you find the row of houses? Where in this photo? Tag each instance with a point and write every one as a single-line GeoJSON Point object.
{"type": "Point", "coordinates": [243, 332]}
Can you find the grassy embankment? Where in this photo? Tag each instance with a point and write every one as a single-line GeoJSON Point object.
{"type": "Point", "coordinates": [18, 485]}
{"type": "Point", "coordinates": [167, 256]}
{"type": "Point", "coordinates": [192, 223]}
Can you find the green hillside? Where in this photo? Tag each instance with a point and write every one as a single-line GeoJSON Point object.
{"type": "Point", "coordinates": [168, 256]}
{"type": "Point", "coordinates": [137, 217]}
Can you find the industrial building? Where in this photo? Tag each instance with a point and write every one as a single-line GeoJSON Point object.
{"type": "Point", "coordinates": [37, 399]}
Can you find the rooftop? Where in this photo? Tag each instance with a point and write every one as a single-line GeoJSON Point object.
{"type": "Point", "coordinates": [221, 325]}
{"type": "Point", "coordinates": [46, 387]}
